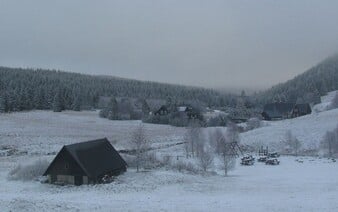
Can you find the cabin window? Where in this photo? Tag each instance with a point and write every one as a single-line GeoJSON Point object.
{"type": "Point", "coordinates": [67, 166]}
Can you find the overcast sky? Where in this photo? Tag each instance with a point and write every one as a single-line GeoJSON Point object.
{"type": "Point", "coordinates": [231, 44]}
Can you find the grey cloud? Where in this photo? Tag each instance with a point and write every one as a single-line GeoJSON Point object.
{"type": "Point", "coordinates": [236, 43]}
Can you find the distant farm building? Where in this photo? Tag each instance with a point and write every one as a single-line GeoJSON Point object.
{"type": "Point", "coordinates": [84, 163]}
{"type": "Point", "coordinates": [278, 110]}
{"type": "Point", "coordinates": [281, 110]}
{"type": "Point", "coordinates": [189, 111]}
{"type": "Point", "coordinates": [301, 110]}
{"type": "Point", "coordinates": [162, 111]}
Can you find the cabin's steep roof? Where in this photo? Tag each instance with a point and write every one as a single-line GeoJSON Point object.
{"type": "Point", "coordinates": [95, 157]}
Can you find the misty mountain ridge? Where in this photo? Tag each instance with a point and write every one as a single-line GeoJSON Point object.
{"type": "Point", "coordinates": [313, 83]}
{"type": "Point", "coordinates": [26, 89]}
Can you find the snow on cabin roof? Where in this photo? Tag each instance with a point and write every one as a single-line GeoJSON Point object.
{"type": "Point", "coordinates": [181, 108]}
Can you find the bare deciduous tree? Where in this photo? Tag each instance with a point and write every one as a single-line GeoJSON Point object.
{"type": "Point", "coordinates": [330, 142]}
{"type": "Point", "coordinates": [228, 162]}
{"type": "Point", "coordinates": [192, 138]}
{"type": "Point", "coordinates": [253, 123]}
{"type": "Point", "coordinates": [187, 144]}
{"type": "Point", "coordinates": [140, 144]}
{"type": "Point", "coordinates": [215, 139]}
{"type": "Point", "coordinates": [224, 144]}
{"type": "Point", "coordinates": [292, 142]}
{"type": "Point", "coordinates": [205, 157]}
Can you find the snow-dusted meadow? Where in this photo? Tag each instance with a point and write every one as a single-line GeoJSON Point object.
{"type": "Point", "coordinates": [297, 184]}
{"type": "Point", "coordinates": [291, 186]}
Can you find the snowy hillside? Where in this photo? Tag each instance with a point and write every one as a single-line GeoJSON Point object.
{"type": "Point", "coordinates": [309, 129]}
{"type": "Point", "coordinates": [325, 102]}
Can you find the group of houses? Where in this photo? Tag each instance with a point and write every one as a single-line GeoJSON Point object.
{"type": "Point", "coordinates": [189, 111]}
{"type": "Point", "coordinates": [157, 107]}
{"type": "Point", "coordinates": [282, 110]}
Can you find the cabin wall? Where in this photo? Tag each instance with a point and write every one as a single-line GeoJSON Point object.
{"type": "Point", "coordinates": [67, 179]}
{"type": "Point", "coordinates": [85, 180]}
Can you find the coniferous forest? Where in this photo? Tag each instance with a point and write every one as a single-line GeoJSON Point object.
{"type": "Point", "coordinates": [306, 87]}
{"type": "Point", "coordinates": [27, 89]}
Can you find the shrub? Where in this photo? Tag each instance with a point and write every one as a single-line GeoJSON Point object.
{"type": "Point", "coordinates": [29, 172]}
{"type": "Point", "coordinates": [253, 123]}
{"type": "Point", "coordinates": [182, 166]}
{"type": "Point", "coordinates": [156, 119]}
{"type": "Point", "coordinates": [220, 120]}
{"type": "Point", "coordinates": [292, 143]}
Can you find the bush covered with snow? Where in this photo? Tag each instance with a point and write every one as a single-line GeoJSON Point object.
{"type": "Point", "coordinates": [29, 172]}
{"type": "Point", "coordinates": [253, 123]}
{"type": "Point", "coordinates": [291, 143]}
{"type": "Point", "coordinates": [220, 120]}
{"type": "Point", "coordinates": [183, 166]}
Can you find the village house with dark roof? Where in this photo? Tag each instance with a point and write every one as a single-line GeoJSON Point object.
{"type": "Point", "coordinates": [282, 110]}
{"type": "Point", "coordinates": [301, 110]}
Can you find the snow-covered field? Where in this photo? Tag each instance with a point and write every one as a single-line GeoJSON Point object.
{"type": "Point", "coordinates": [309, 184]}
{"type": "Point", "coordinates": [291, 186]}
{"type": "Point", "coordinates": [44, 131]}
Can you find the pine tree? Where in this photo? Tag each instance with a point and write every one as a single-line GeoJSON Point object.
{"type": "Point", "coordinates": [2, 104]}
{"type": "Point", "coordinates": [76, 106]}
{"type": "Point", "coordinates": [38, 100]}
{"type": "Point", "coordinates": [11, 101]}
{"type": "Point", "coordinates": [145, 108]}
{"type": "Point", "coordinates": [57, 103]}
{"type": "Point", "coordinates": [76, 101]}
{"type": "Point", "coordinates": [113, 109]}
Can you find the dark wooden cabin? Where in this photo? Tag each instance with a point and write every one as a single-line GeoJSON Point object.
{"type": "Point", "coordinates": [301, 110]}
{"type": "Point", "coordinates": [189, 111]}
{"type": "Point", "coordinates": [278, 110]}
{"type": "Point", "coordinates": [84, 163]}
{"type": "Point", "coordinates": [281, 110]}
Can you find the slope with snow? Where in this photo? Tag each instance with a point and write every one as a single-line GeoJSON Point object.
{"type": "Point", "coordinates": [309, 129]}
{"type": "Point", "coordinates": [325, 102]}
